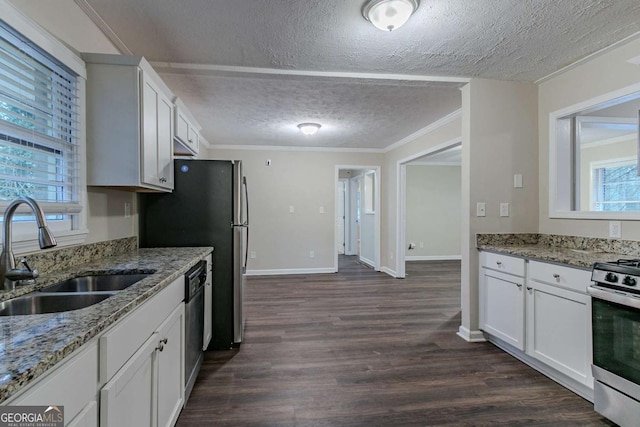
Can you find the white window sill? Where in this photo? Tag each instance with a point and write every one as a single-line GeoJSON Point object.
{"type": "Point", "coordinates": [26, 244]}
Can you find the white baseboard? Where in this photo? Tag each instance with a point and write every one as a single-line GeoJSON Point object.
{"type": "Point", "coordinates": [288, 271]}
{"type": "Point", "coordinates": [389, 271]}
{"type": "Point", "coordinates": [368, 262]}
{"type": "Point", "coordinates": [470, 336]}
{"type": "Point", "coordinates": [432, 257]}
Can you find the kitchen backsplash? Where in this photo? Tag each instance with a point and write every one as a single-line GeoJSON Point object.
{"type": "Point", "coordinates": [626, 247]}
{"type": "Point", "coordinates": [58, 259]}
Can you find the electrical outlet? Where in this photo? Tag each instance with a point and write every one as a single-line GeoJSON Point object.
{"type": "Point", "coordinates": [614, 229]}
{"type": "Point", "coordinates": [252, 254]}
{"type": "Point", "coordinates": [421, 245]}
{"type": "Point", "coordinates": [312, 254]}
{"type": "Point", "coordinates": [291, 209]}
{"type": "Point", "coordinates": [504, 209]}
{"type": "Point", "coordinates": [321, 209]}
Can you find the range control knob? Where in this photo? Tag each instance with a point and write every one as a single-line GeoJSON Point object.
{"type": "Point", "coordinates": [610, 277]}
{"type": "Point", "coordinates": [629, 281]}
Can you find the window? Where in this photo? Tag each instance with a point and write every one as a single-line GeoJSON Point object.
{"type": "Point", "coordinates": [39, 135]}
{"type": "Point", "coordinates": [615, 186]}
{"type": "Point", "coordinates": [593, 156]}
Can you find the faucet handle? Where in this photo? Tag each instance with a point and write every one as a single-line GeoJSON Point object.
{"type": "Point", "coordinates": [23, 261]}
{"type": "Point", "coordinates": [34, 272]}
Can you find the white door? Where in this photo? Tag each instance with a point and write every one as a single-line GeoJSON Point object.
{"type": "Point", "coordinates": [340, 220]}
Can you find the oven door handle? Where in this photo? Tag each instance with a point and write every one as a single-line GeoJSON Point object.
{"type": "Point", "coordinates": [614, 297]}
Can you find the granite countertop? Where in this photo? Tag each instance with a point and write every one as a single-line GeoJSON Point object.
{"type": "Point", "coordinates": [574, 251]}
{"type": "Point", "coordinates": [32, 344]}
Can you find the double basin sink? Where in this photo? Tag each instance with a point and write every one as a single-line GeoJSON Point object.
{"type": "Point", "coordinates": [71, 294]}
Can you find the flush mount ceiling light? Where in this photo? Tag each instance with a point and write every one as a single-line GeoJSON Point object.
{"type": "Point", "coordinates": [389, 15]}
{"type": "Point", "coordinates": [309, 128]}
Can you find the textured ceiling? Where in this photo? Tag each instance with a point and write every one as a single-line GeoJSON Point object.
{"type": "Point", "coordinates": [521, 40]}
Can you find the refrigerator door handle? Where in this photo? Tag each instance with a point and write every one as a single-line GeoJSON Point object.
{"type": "Point", "coordinates": [246, 198]}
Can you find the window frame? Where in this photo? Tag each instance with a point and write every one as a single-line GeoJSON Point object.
{"type": "Point", "coordinates": [562, 161]}
{"type": "Point", "coordinates": [24, 235]}
{"type": "Point", "coordinates": [604, 164]}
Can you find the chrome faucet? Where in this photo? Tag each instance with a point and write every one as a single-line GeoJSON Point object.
{"type": "Point", "coordinates": [9, 274]}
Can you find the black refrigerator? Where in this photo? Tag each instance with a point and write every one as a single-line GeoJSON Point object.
{"type": "Point", "coordinates": [208, 207]}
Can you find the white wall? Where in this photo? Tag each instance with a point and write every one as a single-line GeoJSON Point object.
{"type": "Point", "coordinates": [65, 20]}
{"type": "Point", "coordinates": [601, 75]}
{"type": "Point", "coordinates": [433, 211]}
{"type": "Point", "coordinates": [302, 179]}
{"type": "Point", "coordinates": [499, 139]}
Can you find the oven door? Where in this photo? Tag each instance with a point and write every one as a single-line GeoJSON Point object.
{"type": "Point", "coordinates": [616, 339]}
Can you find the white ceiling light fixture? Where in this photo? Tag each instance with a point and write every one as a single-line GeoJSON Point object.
{"type": "Point", "coordinates": [309, 128]}
{"type": "Point", "coordinates": [389, 15]}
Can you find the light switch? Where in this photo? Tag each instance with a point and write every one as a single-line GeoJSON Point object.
{"type": "Point", "coordinates": [321, 209]}
{"type": "Point", "coordinates": [291, 209]}
{"type": "Point", "coordinates": [517, 180]}
{"type": "Point", "coordinates": [481, 209]}
{"type": "Point", "coordinates": [504, 209]}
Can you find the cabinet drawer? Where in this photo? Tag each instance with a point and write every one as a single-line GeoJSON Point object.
{"type": "Point", "coordinates": [503, 263]}
{"type": "Point", "coordinates": [119, 343]}
{"type": "Point", "coordinates": [72, 385]}
{"type": "Point", "coordinates": [558, 275]}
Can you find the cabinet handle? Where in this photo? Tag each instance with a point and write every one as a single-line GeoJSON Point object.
{"type": "Point", "coordinates": [519, 285]}
{"type": "Point", "coordinates": [556, 276]}
{"type": "Point", "coordinates": [529, 288]}
{"type": "Point", "coordinates": [499, 262]}
{"type": "Point", "coordinates": [161, 344]}
{"type": "Point", "coordinates": [190, 141]}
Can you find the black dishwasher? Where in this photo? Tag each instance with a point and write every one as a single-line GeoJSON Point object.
{"type": "Point", "coordinates": [194, 282]}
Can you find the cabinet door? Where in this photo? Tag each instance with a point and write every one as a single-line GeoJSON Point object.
{"type": "Point", "coordinates": [194, 139]}
{"type": "Point", "coordinates": [502, 307]}
{"type": "Point", "coordinates": [149, 145]}
{"type": "Point", "coordinates": [208, 308]}
{"type": "Point", "coordinates": [170, 361]}
{"type": "Point", "coordinates": [559, 330]}
{"type": "Point", "coordinates": [88, 417]}
{"type": "Point", "coordinates": [129, 398]}
{"type": "Point", "coordinates": [165, 142]}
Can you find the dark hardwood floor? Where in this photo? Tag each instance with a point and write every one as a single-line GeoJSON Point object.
{"type": "Point", "coordinates": [359, 348]}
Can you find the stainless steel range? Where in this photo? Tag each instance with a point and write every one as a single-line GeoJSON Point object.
{"type": "Point", "coordinates": [616, 340]}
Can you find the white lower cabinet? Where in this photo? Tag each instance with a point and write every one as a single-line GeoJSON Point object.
{"type": "Point", "coordinates": [88, 417]}
{"type": "Point", "coordinates": [72, 385]}
{"type": "Point", "coordinates": [170, 368]}
{"type": "Point", "coordinates": [559, 320]}
{"type": "Point", "coordinates": [502, 299]}
{"type": "Point", "coordinates": [549, 321]}
{"type": "Point", "coordinates": [149, 389]}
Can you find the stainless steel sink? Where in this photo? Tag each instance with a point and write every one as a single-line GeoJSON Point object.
{"type": "Point", "coordinates": [40, 303]}
{"type": "Point", "coordinates": [110, 283]}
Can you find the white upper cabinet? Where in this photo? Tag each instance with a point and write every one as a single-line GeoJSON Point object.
{"type": "Point", "coordinates": [129, 124]}
{"type": "Point", "coordinates": [187, 135]}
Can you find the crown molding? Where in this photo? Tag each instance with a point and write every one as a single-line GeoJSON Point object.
{"type": "Point", "coordinates": [103, 26]}
{"type": "Point", "coordinates": [294, 148]}
{"type": "Point", "coordinates": [425, 130]}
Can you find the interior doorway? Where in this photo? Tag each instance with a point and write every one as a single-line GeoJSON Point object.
{"type": "Point", "coordinates": [447, 154]}
{"type": "Point", "coordinates": [357, 219]}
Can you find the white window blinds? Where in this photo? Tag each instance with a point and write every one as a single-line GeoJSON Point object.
{"type": "Point", "coordinates": [38, 126]}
